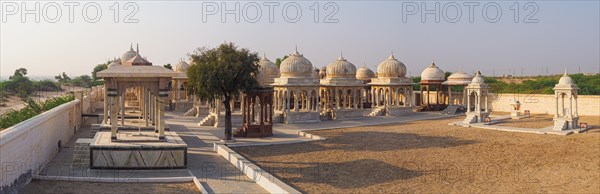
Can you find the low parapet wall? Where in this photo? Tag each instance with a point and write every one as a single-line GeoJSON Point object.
{"type": "Point", "coordinates": [27, 147]}
{"type": "Point", "coordinates": [588, 105]}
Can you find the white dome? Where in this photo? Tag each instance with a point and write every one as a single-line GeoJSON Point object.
{"type": "Point", "coordinates": [432, 73]}
{"type": "Point", "coordinates": [478, 79]}
{"type": "Point", "coordinates": [296, 66]}
{"type": "Point", "coordinates": [181, 67]}
{"type": "Point", "coordinates": [566, 80]}
{"type": "Point", "coordinates": [267, 72]}
{"type": "Point", "coordinates": [114, 63]}
{"type": "Point", "coordinates": [391, 67]}
{"type": "Point", "coordinates": [341, 68]}
{"type": "Point", "coordinates": [128, 55]}
{"type": "Point", "coordinates": [459, 78]}
{"type": "Point", "coordinates": [364, 74]}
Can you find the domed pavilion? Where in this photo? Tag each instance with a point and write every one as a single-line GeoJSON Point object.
{"type": "Point", "coordinates": [566, 116]}
{"type": "Point", "coordinates": [296, 91]}
{"type": "Point", "coordinates": [257, 104]}
{"type": "Point", "coordinates": [457, 80]}
{"type": "Point", "coordinates": [391, 90]}
{"type": "Point", "coordinates": [132, 83]}
{"type": "Point", "coordinates": [181, 97]}
{"type": "Point", "coordinates": [432, 78]}
{"type": "Point", "coordinates": [340, 91]}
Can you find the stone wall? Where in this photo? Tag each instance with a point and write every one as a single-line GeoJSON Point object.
{"type": "Point", "coordinates": [27, 147]}
{"type": "Point", "coordinates": [588, 105]}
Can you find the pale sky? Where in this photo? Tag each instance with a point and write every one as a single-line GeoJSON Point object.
{"type": "Point", "coordinates": [566, 34]}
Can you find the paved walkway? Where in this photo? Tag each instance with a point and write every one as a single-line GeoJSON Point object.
{"type": "Point", "coordinates": [215, 173]}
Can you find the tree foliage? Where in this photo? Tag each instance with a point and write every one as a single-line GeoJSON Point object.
{"type": "Point", "coordinates": [98, 68]}
{"type": "Point", "coordinates": [221, 73]}
{"type": "Point", "coordinates": [32, 108]}
{"type": "Point", "coordinates": [168, 66]}
{"type": "Point", "coordinates": [279, 60]}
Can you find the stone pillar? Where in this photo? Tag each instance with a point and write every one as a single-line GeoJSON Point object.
{"type": "Point", "coordinates": [105, 111]}
{"type": "Point", "coordinates": [113, 118]}
{"type": "Point", "coordinates": [468, 102]}
{"type": "Point", "coordinates": [161, 114]}
{"type": "Point", "coordinates": [145, 112]}
{"type": "Point", "coordinates": [123, 110]}
{"type": "Point", "coordinates": [571, 106]}
{"type": "Point", "coordinates": [486, 103]}
{"type": "Point", "coordinates": [556, 104]}
{"type": "Point", "coordinates": [153, 109]}
{"type": "Point", "coordinates": [449, 95]}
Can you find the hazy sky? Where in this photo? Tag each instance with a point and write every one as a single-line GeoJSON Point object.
{"type": "Point", "coordinates": [559, 34]}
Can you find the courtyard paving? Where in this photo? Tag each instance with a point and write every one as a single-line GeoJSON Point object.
{"type": "Point", "coordinates": [432, 157]}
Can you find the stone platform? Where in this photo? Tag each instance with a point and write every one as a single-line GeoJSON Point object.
{"type": "Point", "coordinates": [138, 150]}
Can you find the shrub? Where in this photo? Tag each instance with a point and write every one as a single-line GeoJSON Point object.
{"type": "Point", "coordinates": [31, 109]}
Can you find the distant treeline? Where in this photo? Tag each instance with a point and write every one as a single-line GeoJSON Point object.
{"type": "Point", "coordinates": [588, 84]}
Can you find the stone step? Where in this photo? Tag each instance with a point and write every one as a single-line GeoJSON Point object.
{"type": "Point", "coordinates": [80, 161]}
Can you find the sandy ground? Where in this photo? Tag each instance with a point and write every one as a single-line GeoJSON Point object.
{"type": "Point", "coordinates": [535, 121]}
{"type": "Point", "coordinates": [15, 103]}
{"type": "Point", "coordinates": [40, 187]}
{"type": "Point", "coordinates": [433, 157]}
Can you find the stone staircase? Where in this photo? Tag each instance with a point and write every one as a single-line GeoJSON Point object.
{"type": "Point", "coordinates": [377, 111]}
{"type": "Point", "coordinates": [208, 121]}
{"type": "Point", "coordinates": [470, 119]}
{"type": "Point", "coordinates": [81, 152]}
{"type": "Point", "coordinates": [191, 112]}
{"type": "Point", "coordinates": [559, 125]}
{"type": "Point", "coordinates": [95, 128]}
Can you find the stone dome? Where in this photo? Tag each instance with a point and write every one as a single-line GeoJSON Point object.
{"type": "Point", "coordinates": [181, 67]}
{"type": "Point", "coordinates": [391, 67]}
{"type": "Point", "coordinates": [364, 74]}
{"type": "Point", "coordinates": [478, 79]}
{"type": "Point", "coordinates": [566, 80]}
{"type": "Point", "coordinates": [341, 68]}
{"type": "Point", "coordinates": [433, 73]}
{"type": "Point", "coordinates": [128, 55]}
{"type": "Point", "coordinates": [267, 72]}
{"type": "Point", "coordinates": [296, 66]}
{"type": "Point", "coordinates": [459, 78]}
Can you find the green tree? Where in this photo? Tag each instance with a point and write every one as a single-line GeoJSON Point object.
{"type": "Point", "coordinates": [62, 78]}
{"type": "Point", "coordinates": [82, 81]}
{"type": "Point", "coordinates": [19, 83]}
{"type": "Point", "coordinates": [98, 68]}
{"type": "Point", "coordinates": [221, 73]}
{"type": "Point", "coordinates": [168, 66]}
{"type": "Point", "coordinates": [279, 60]}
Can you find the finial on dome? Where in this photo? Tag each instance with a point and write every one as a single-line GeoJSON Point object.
{"type": "Point", "coordinates": [265, 56]}
{"type": "Point", "coordinates": [460, 69]}
{"type": "Point", "coordinates": [565, 72]}
{"type": "Point", "coordinates": [131, 46]}
{"type": "Point", "coordinates": [137, 45]}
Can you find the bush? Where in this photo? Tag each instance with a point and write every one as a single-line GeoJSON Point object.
{"type": "Point", "coordinates": [31, 109]}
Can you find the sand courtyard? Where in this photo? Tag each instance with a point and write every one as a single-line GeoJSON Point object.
{"type": "Point", "coordinates": [430, 156]}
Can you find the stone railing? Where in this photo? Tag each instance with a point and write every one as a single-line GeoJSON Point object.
{"type": "Point", "coordinates": [27, 147]}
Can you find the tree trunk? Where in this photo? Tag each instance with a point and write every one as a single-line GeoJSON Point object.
{"type": "Point", "coordinates": [228, 130]}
